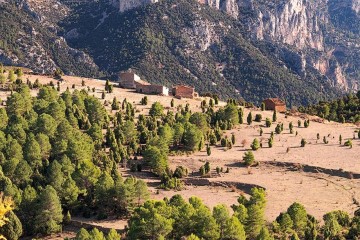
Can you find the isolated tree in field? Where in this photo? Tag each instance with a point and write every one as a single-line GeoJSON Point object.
{"type": "Point", "coordinates": [241, 115]}
{"type": "Point", "coordinates": [278, 129]}
{"type": "Point", "coordinates": [303, 142]}
{"type": "Point", "coordinates": [299, 123]}
{"type": "Point", "coordinates": [156, 110]}
{"type": "Point", "coordinates": [258, 118]}
{"type": "Point", "coordinates": [233, 139]}
{"type": "Point", "coordinates": [274, 117]}
{"type": "Point", "coordinates": [306, 123]}
{"type": "Point", "coordinates": [249, 158]}
{"type": "Point", "coordinates": [249, 118]}
{"type": "Point", "coordinates": [208, 150]}
{"type": "Point", "coordinates": [261, 131]}
{"type": "Point", "coordinates": [271, 142]}
{"type": "Point", "coordinates": [291, 127]}
{"type": "Point", "coordinates": [267, 122]}
{"type": "Point", "coordinates": [340, 139]}
{"type": "Point", "coordinates": [255, 144]}
{"type": "Point", "coordinates": [262, 106]}
{"type": "Point", "coordinates": [348, 143]}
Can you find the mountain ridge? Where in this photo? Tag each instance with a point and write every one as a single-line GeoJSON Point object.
{"type": "Point", "coordinates": [213, 51]}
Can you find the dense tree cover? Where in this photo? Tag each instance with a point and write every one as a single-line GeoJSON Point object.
{"type": "Point", "coordinates": [54, 159]}
{"type": "Point", "coordinates": [343, 109]}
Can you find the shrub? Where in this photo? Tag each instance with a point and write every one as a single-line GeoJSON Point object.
{"type": "Point", "coordinates": [258, 118]}
{"type": "Point", "coordinates": [348, 143]}
{"type": "Point", "coordinates": [303, 142]}
{"type": "Point", "coordinates": [268, 122]}
{"type": "Point", "coordinates": [271, 142]}
{"type": "Point", "coordinates": [255, 144]}
{"type": "Point", "coordinates": [248, 158]}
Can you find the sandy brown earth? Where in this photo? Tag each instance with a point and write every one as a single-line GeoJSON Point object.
{"type": "Point", "coordinates": [323, 177]}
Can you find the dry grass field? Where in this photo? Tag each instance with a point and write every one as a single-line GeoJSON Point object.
{"type": "Point", "coordinates": [323, 177]}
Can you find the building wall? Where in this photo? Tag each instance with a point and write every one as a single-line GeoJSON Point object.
{"type": "Point", "coordinates": [152, 89]}
{"type": "Point", "coordinates": [127, 79]}
{"type": "Point", "coordinates": [270, 105]}
{"type": "Point", "coordinates": [183, 91]}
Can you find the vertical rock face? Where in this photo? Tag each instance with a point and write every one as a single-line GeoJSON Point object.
{"type": "Point", "coordinates": [294, 22]}
{"type": "Point", "coordinates": [356, 5]}
{"type": "Point", "coordinates": [125, 5]}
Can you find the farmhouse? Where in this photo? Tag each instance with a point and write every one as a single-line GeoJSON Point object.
{"type": "Point", "coordinates": [152, 89]}
{"type": "Point", "coordinates": [275, 104]}
{"type": "Point", "coordinates": [128, 79]}
{"type": "Point", "coordinates": [182, 91]}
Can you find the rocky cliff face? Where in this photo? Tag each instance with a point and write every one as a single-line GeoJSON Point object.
{"type": "Point", "coordinates": [33, 40]}
{"type": "Point", "coordinates": [300, 24]}
{"type": "Point", "coordinates": [125, 5]}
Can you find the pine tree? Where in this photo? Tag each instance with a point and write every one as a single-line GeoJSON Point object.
{"type": "Point", "coordinates": [255, 144]}
{"type": "Point", "coordinates": [249, 118]}
{"type": "Point", "coordinates": [249, 158]}
{"type": "Point", "coordinates": [274, 118]}
{"type": "Point", "coordinates": [49, 212]}
{"type": "Point", "coordinates": [262, 106]}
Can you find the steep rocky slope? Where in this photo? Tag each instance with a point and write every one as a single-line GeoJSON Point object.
{"type": "Point", "coordinates": [29, 38]}
{"type": "Point", "coordinates": [326, 32]}
{"type": "Point", "coordinates": [300, 50]}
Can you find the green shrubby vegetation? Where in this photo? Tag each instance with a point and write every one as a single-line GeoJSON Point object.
{"type": "Point", "coordinates": [345, 109]}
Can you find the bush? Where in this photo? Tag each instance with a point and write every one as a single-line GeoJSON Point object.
{"type": "Point", "coordinates": [258, 118]}
{"type": "Point", "coordinates": [249, 158]}
{"type": "Point", "coordinates": [268, 122]}
{"type": "Point", "coordinates": [348, 143]}
{"type": "Point", "coordinates": [180, 172]}
{"type": "Point", "coordinates": [303, 142]}
{"type": "Point", "coordinates": [255, 144]}
{"type": "Point", "coordinates": [271, 142]}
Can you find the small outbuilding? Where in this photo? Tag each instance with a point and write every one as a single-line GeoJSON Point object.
{"type": "Point", "coordinates": [152, 89]}
{"type": "Point", "coordinates": [128, 79]}
{"type": "Point", "coordinates": [275, 104]}
{"type": "Point", "coordinates": [182, 91]}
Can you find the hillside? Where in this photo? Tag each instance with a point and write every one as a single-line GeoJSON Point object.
{"type": "Point", "coordinates": [72, 154]}
{"type": "Point", "coordinates": [27, 41]}
{"type": "Point", "coordinates": [188, 42]}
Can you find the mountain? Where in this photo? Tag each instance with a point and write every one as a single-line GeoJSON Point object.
{"type": "Point", "coordinates": [299, 50]}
